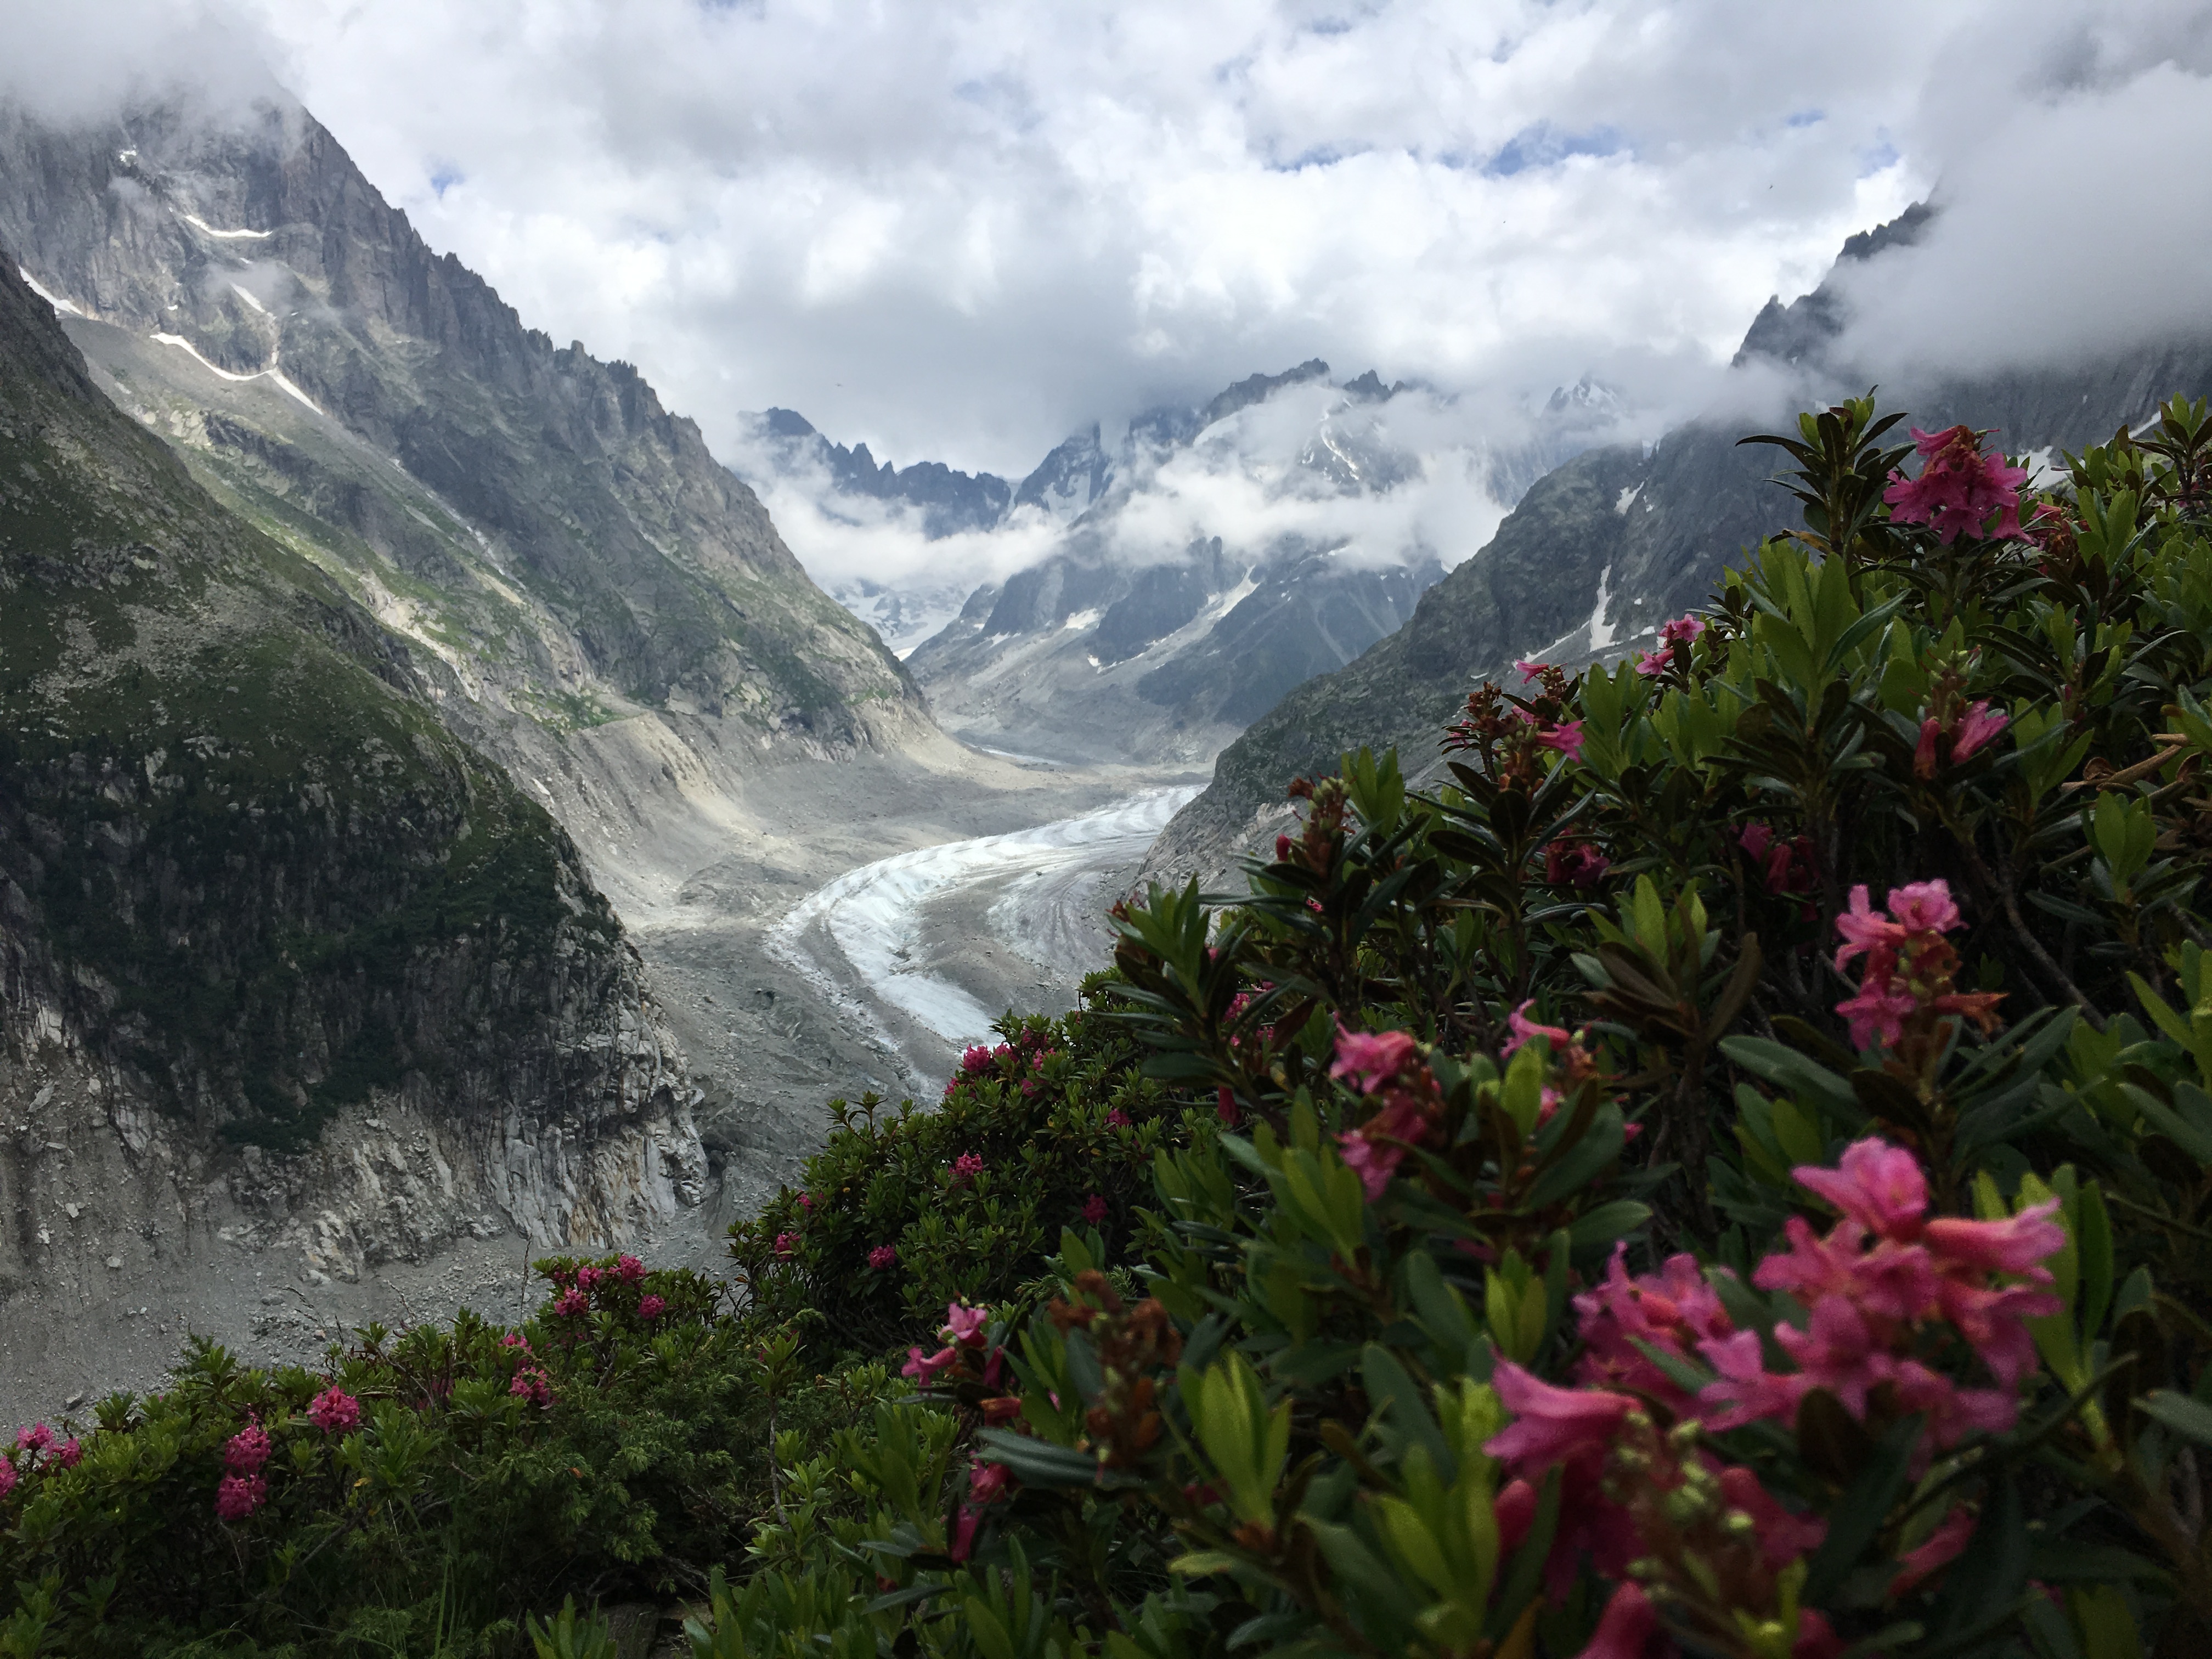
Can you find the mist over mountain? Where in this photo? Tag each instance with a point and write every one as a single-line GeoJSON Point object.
{"type": "Point", "coordinates": [1603, 549]}
{"type": "Point", "coordinates": [1155, 593]}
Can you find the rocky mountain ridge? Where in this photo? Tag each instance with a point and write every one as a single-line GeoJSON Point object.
{"type": "Point", "coordinates": [1302, 542]}
{"type": "Point", "coordinates": [592, 599]}
{"type": "Point", "coordinates": [294, 987]}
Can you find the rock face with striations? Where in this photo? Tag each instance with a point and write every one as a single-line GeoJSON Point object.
{"type": "Point", "coordinates": [1617, 540]}
{"type": "Point", "coordinates": [592, 598]}
{"type": "Point", "coordinates": [293, 984]}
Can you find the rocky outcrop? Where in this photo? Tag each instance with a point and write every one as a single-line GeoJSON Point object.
{"type": "Point", "coordinates": [293, 983]}
{"type": "Point", "coordinates": [556, 521]}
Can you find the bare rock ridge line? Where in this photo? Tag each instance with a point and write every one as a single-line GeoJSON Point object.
{"type": "Point", "coordinates": [293, 984]}
{"type": "Point", "coordinates": [1648, 530]}
{"type": "Point", "coordinates": [588, 596]}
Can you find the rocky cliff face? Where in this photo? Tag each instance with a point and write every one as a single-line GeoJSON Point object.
{"type": "Point", "coordinates": [1615, 541]}
{"type": "Point", "coordinates": [293, 984]}
{"type": "Point", "coordinates": [588, 597]}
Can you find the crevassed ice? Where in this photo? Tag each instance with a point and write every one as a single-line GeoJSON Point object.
{"type": "Point", "coordinates": [874, 913]}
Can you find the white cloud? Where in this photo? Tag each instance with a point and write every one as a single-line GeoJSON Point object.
{"type": "Point", "coordinates": [958, 228]}
{"type": "Point", "coordinates": [2077, 210]}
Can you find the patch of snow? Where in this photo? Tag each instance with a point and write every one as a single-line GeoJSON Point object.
{"type": "Point", "coordinates": [241, 293]}
{"type": "Point", "coordinates": [1627, 499]}
{"type": "Point", "coordinates": [269, 375]}
{"type": "Point", "coordinates": [227, 235]}
{"type": "Point", "coordinates": [1079, 620]}
{"type": "Point", "coordinates": [62, 307]}
{"type": "Point", "coordinates": [1601, 632]}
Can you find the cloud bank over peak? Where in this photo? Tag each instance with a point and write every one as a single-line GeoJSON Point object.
{"type": "Point", "coordinates": [954, 230]}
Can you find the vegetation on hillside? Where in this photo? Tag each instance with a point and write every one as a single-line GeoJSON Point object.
{"type": "Point", "coordinates": [1727, 1174]}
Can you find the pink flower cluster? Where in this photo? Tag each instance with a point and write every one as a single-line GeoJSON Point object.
{"type": "Point", "coordinates": [247, 1450]}
{"type": "Point", "coordinates": [628, 1269]}
{"type": "Point", "coordinates": [651, 1307]}
{"type": "Point", "coordinates": [44, 1452]}
{"type": "Point", "coordinates": [1571, 861]}
{"type": "Point", "coordinates": [1959, 491]}
{"type": "Point", "coordinates": [569, 1304]}
{"type": "Point", "coordinates": [1887, 1287]}
{"type": "Point", "coordinates": [1566, 737]}
{"type": "Point", "coordinates": [966, 1168]}
{"type": "Point", "coordinates": [786, 1246]}
{"type": "Point", "coordinates": [531, 1384]}
{"type": "Point", "coordinates": [237, 1496]}
{"type": "Point", "coordinates": [964, 1333]}
{"type": "Point", "coordinates": [1384, 1063]}
{"type": "Point", "coordinates": [882, 1256]}
{"type": "Point", "coordinates": [1880, 1284]}
{"type": "Point", "coordinates": [979, 1061]}
{"type": "Point", "coordinates": [1909, 965]}
{"type": "Point", "coordinates": [1095, 1208]}
{"type": "Point", "coordinates": [1788, 865]}
{"type": "Point", "coordinates": [1967, 729]}
{"type": "Point", "coordinates": [334, 1411]}
{"type": "Point", "coordinates": [1682, 631]}
{"type": "Point", "coordinates": [987, 1484]}
{"type": "Point", "coordinates": [1522, 1030]}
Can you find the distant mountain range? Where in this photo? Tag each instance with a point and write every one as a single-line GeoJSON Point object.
{"type": "Point", "coordinates": [1609, 544]}
{"type": "Point", "coordinates": [1180, 580]}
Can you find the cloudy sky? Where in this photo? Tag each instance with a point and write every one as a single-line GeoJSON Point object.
{"type": "Point", "coordinates": [957, 228]}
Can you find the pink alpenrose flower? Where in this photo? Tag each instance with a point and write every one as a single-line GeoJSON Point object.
{"type": "Point", "coordinates": [1626, 1626]}
{"type": "Point", "coordinates": [1372, 1058]}
{"type": "Point", "coordinates": [237, 1496]}
{"type": "Point", "coordinates": [1960, 491]}
{"type": "Point", "coordinates": [1879, 1186]}
{"type": "Point", "coordinates": [1566, 737]}
{"type": "Point", "coordinates": [334, 1411]}
{"type": "Point", "coordinates": [1525, 1029]}
{"type": "Point", "coordinates": [964, 1324]}
{"type": "Point", "coordinates": [924, 1368]}
{"type": "Point", "coordinates": [1552, 1426]}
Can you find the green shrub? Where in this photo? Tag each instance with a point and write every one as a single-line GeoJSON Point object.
{"type": "Point", "coordinates": [428, 1488]}
{"type": "Point", "coordinates": [1727, 1170]}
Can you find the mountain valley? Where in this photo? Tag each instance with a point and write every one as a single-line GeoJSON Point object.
{"type": "Point", "coordinates": [445, 813]}
{"type": "Point", "coordinates": [412, 735]}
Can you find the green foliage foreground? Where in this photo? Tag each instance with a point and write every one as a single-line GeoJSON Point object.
{"type": "Point", "coordinates": [1721, 1170]}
